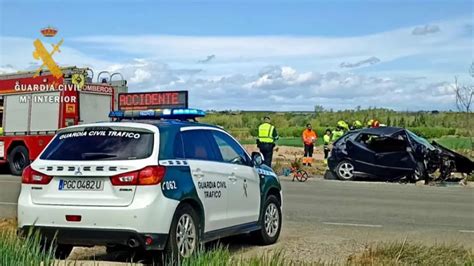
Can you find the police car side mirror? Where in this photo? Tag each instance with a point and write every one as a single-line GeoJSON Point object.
{"type": "Point", "coordinates": [257, 158]}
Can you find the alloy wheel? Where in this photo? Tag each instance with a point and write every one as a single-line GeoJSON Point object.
{"type": "Point", "coordinates": [346, 171]}
{"type": "Point", "coordinates": [272, 220]}
{"type": "Point", "coordinates": [186, 235]}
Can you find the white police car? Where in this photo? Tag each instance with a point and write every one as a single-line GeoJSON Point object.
{"type": "Point", "coordinates": [152, 185]}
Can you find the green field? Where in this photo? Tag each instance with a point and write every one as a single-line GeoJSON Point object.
{"type": "Point", "coordinates": [455, 143]}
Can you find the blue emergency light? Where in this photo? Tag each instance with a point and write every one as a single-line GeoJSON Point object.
{"type": "Point", "coordinates": [176, 113]}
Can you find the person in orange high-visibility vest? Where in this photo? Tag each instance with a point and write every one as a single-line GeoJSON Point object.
{"type": "Point", "coordinates": [309, 139]}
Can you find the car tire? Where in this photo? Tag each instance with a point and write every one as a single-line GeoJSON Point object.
{"type": "Point", "coordinates": [419, 173]}
{"type": "Point", "coordinates": [18, 159]}
{"type": "Point", "coordinates": [62, 251]}
{"type": "Point", "coordinates": [329, 175]}
{"type": "Point", "coordinates": [270, 222]}
{"type": "Point", "coordinates": [176, 252]}
{"type": "Point", "coordinates": [345, 171]}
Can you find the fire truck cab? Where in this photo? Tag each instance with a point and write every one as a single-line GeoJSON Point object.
{"type": "Point", "coordinates": [34, 106]}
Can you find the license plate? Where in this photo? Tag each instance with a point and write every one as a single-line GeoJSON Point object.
{"type": "Point", "coordinates": [81, 184]}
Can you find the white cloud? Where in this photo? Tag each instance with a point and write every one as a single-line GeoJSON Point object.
{"type": "Point", "coordinates": [274, 72]}
{"type": "Point", "coordinates": [146, 74]}
{"type": "Point", "coordinates": [140, 76]}
{"type": "Point", "coordinates": [7, 69]}
{"type": "Point", "coordinates": [387, 46]}
{"type": "Point", "coordinates": [284, 88]}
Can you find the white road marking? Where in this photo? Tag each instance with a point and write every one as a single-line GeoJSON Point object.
{"type": "Point", "coordinates": [350, 224]}
{"type": "Point", "coordinates": [7, 203]}
{"type": "Point", "coordinates": [466, 231]}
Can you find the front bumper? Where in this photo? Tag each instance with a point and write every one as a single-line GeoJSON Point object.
{"type": "Point", "coordinates": [332, 162]}
{"type": "Point", "coordinates": [90, 237]}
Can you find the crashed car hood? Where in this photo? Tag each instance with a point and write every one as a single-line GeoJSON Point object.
{"type": "Point", "coordinates": [463, 164]}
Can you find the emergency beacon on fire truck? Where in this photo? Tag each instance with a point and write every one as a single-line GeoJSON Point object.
{"type": "Point", "coordinates": [33, 108]}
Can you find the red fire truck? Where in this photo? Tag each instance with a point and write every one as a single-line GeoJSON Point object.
{"type": "Point", "coordinates": [33, 108]}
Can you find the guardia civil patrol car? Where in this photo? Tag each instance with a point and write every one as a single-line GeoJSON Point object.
{"type": "Point", "coordinates": [167, 184]}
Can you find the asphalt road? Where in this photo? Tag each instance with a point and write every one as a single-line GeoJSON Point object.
{"type": "Point", "coordinates": [9, 191]}
{"type": "Point", "coordinates": [377, 205]}
{"type": "Point", "coordinates": [330, 219]}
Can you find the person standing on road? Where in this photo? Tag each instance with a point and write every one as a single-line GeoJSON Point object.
{"type": "Point", "coordinates": [267, 135]}
{"type": "Point", "coordinates": [327, 142]}
{"type": "Point", "coordinates": [309, 139]}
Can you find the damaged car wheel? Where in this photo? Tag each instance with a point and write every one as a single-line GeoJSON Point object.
{"type": "Point", "coordinates": [345, 170]}
{"type": "Point", "coordinates": [419, 173]}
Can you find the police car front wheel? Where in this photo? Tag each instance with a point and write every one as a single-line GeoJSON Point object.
{"type": "Point", "coordinates": [270, 222]}
{"type": "Point", "coordinates": [183, 240]}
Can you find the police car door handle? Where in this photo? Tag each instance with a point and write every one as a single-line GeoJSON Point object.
{"type": "Point", "coordinates": [233, 178]}
{"type": "Point", "coordinates": [198, 173]}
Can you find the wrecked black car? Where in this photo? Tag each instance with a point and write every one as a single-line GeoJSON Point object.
{"type": "Point", "coordinates": [393, 153]}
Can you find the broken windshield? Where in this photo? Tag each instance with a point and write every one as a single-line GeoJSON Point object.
{"type": "Point", "coordinates": [420, 140]}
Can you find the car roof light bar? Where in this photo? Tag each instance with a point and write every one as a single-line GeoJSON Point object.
{"type": "Point", "coordinates": [176, 113]}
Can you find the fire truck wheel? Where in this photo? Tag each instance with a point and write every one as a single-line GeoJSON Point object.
{"type": "Point", "coordinates": [18, 159]}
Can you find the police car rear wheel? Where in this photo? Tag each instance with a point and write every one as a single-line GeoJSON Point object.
{"type": "Point", "coordinates": [270, 222]}
{"type": "Point", "coordinates": [183, 240]}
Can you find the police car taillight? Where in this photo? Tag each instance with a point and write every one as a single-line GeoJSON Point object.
{"type": "Point", "coordinates": [150, 175]}
{"type": "Point", "coordinates": [31, 176]}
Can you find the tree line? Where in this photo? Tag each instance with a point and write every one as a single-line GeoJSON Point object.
{"type": "Point", "coordinates": [433, 124]}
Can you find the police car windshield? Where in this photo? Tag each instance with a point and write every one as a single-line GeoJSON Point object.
{"type": "Point", "coordinates": [100, 145]}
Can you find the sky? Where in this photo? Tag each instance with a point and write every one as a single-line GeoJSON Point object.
{"type": "Point", "coordinates": [260, 54]}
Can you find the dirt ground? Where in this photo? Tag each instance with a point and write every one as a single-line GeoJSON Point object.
{"type": "Point", "coordinates": [283, 156]}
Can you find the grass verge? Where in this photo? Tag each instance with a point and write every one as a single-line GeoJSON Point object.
{"type": "Point", "coordinates": [16, 250]}
{"type": "Point", "coordinates": [403, 253]}
{"type": "Point", "coordinates": [26, 251]}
